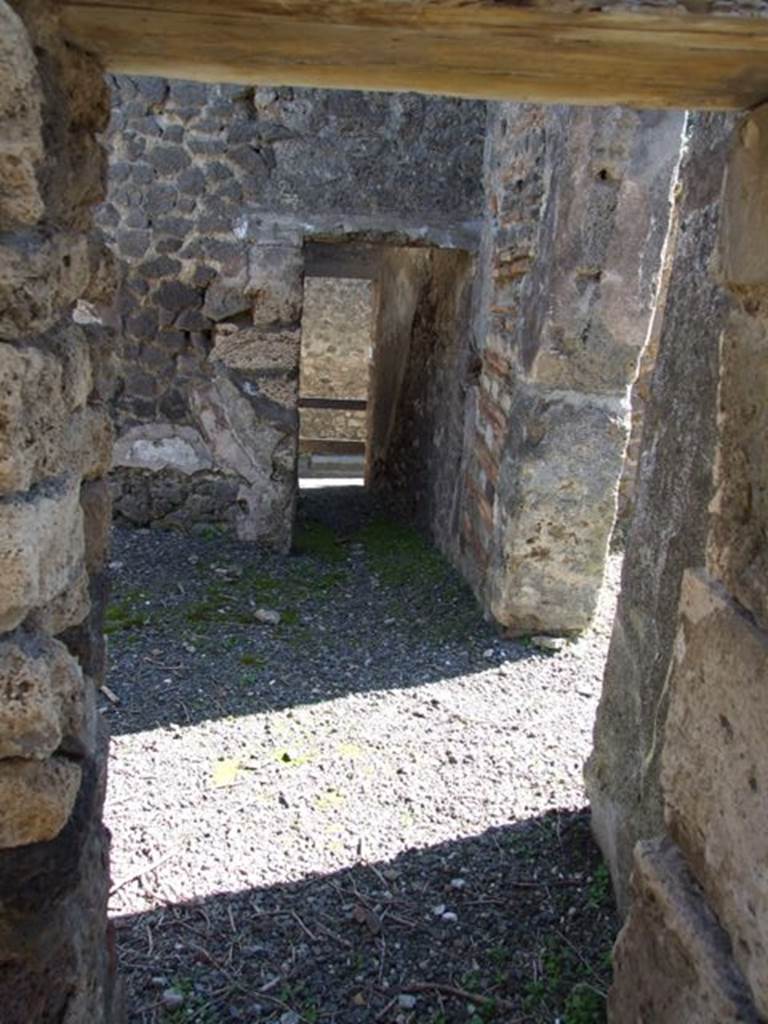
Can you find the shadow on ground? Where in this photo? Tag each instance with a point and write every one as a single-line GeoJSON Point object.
{"type": "Point", "coordinates": [364, 603]}
{"type": "Point", "coordinates": [513, 925]}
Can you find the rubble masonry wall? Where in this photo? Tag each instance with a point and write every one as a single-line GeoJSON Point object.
{"type": "Point", "coordinates": [201, 179]}
{"type": "Point", "coordinates": [55, 446]}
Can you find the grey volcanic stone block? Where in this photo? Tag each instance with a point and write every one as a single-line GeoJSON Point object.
{"type": "Point", "coordinates": [174, 296]}
{"type": "Point", "coordinates": [168, 159]}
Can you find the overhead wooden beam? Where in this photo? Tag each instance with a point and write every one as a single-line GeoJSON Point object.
{"type": "Point", "coordinates": [345, 259]}
{"type": "Point", "coordinates": [330, 446]}
{"type": "Point", "coordinates": [348, 404]}
{"type": "Point", "coordinates": [640, 53]}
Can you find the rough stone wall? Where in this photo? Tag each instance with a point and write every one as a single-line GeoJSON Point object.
{"type": "Point", "coordinates": [55, 442]}
{"type": "Point", "coordinates": [418, 385]}
{"type": "Point", "coordinates": [680, 758]}
{"type": "Point", "coordinates": [641, 388]}
{"type": "Point", "coordinates": [403, 275]}
{"type": "Point", "coordinates": [578, 204]}
{"type": "Point", "coordinates": [201, 178]}
{"type": "Point", "coordinates": [668, 530]}
{"type": "Point", "coordinates": [226, 446]}
{"type": "Point", "coordinates": [688, 662]}
{"type": "Point", "coordinates": [337, 327]}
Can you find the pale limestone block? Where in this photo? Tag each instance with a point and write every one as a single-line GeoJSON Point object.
{"type": "Point", "coordinates": [715, 765]}
{"type": "Point", "coordinates": [94, 443]}
{"type": "Point", "coordinates": [269, 357]}
{"type": "Point", "coordinates": [69, 608]}
{"type": "Point", "coordinates": [671, 522]}
{"type": "Point", "coordinates": [253, 349]}
{"type": "Point", "coordinates": [254, 438]}
{"type": "Point", "coordinates": [41, 548]}
{"type": "Point", "coordinates": [21, 144]}
{"type": "Point", "coordinates": [743, 233]}
{"type": "Point", "coordinates": [97, 521]}
{"type": "Point", "coordinates": [275, 284]}
{"type": "Point", "coordinates": [45, 700]}
{"type": "Point", "coordinates": [736, 550]}
{"type": "Point", "coordinates": [672, 960]}
{"type": "Point", "coordinates": [555, 511]}
{"type": "Point", "coordinates": [47, 428]}
{"type": "Point", "coordinates": [36, 799]}
{"type": "Point", "coordinates": [41, 276]}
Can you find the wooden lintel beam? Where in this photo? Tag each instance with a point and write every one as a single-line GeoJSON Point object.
{"type": "Point", "coordinates": [330, 446]}
{"type": "Point", "coordinates": [635, 53]}
{"type": "Point", "coordinates": [347, 404]}
{"type": "Point", "coordinates": [328, 259]}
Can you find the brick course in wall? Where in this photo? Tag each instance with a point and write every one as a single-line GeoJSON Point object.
{"type": "Point", "coordinates": [577, 208]}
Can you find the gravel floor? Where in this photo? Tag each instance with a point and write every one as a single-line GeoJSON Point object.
{"type": "Point", "coordinates": [371, 811]}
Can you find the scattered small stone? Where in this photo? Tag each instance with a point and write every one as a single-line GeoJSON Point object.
{"type": "Point", "coordinates": [290, 1017]}
{"type": "Point", "coordinates": [548, 643]}
{"type": "Point", "coordinates": [439, 910]}
{"type": "Point", "coordinates": [450, 917]}
{"type": "Point", "coordinates": [458, 883]}
{"type": "Point", "coordinates": [406, 1001]}
{"type": "Point", "coordinates": [172, 999]}
{"type": "Point", "coordinates": [267, 616]}
{"type": "Point", "coordinates": [489, 654]}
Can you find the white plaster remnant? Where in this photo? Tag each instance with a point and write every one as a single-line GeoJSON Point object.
{"type": "Point", "coordinates": [158, 447]}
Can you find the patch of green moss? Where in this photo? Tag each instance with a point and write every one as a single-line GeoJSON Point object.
{"type": "Point", "coordinates": [211, 531]}
{"type": "Point", "coordinates": [233, 600]}
{"type": "Point", "coordinates": [125, 614]}
{"type": "Point", "coordinates": [313, 538]}
{"type": "Point", "coordinates": [218, 609]}
{"type": "Point", "coordinates": [428, 595]}
{"type": "Point", "coordinates": [400, 555]}
{"type": "Point", "coordinates": [253, 660]}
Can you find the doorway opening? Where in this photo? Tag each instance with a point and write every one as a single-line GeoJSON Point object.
{"type": "Point", "coordinates": [340, 705]}
{"type": "Point", "coordinates": [219, 655]}
{"type": "Point", "coordinates": [336, 348]}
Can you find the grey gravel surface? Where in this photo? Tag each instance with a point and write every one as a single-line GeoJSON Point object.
{"type": "Point", "coordinates": [372, 810]}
